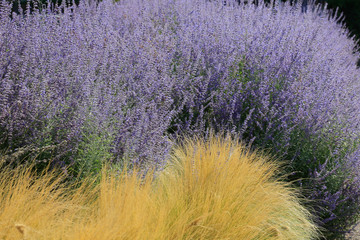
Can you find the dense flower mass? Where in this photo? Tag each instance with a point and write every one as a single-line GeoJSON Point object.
{"type": "Point", "coordinates": [116, 81]}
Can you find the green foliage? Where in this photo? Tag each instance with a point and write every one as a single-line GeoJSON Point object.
{"type": "Point", "coordinates": [92, 152]}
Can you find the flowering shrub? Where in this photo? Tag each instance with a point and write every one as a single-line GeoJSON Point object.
{"type": "Point", "coordinates": [285, 82]}
{"type": "Point", "coordinates": [65, 76]}
{"type": "Point", "coordinates": [114, 81]}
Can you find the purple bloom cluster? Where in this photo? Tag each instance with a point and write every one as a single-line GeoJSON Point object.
{"type": "Point", "coordinates": [141, 71]}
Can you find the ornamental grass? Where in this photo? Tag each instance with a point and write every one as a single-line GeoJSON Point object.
{"type": "Point", "coordinates": [214, 189]}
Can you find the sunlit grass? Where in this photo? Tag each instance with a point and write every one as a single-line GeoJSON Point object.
{"type": "Point", "coordinates": [36, 207]}
{"type": "Point", "coordinates": [209, 190]}
{"type": "Point", "coordinates": [220, 190]}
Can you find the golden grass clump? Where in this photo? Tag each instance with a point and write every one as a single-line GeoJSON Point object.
{"type": "Point", "coordinates": [218, 189]}
{"type": "Point", "coordinates": [34, 207]}
{"type": "Point", "coordinates": [214, 189]}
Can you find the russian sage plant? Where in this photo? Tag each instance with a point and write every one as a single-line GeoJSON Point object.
{"type": "Point", "coordinates": [117, 80]}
